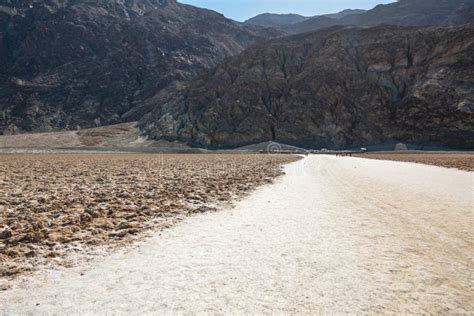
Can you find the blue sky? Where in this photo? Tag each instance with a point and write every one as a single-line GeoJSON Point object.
{"type": "Point", "coordinates": [241, 10]}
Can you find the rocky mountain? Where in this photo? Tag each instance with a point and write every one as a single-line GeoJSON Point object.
{"type": "Point", "coordinates": [82, 63]}
{"type": "Point", "coordinates": [344, 13]}
{"type": "Point", "coordinates": [275, 20]}
{"type": "Point", "coordinates": [336, 88]}
{"type": "Point", "coordinates": [402, 13]}
{"type": "Point", "coordinates": [285, 21]}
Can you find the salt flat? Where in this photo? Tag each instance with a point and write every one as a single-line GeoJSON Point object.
{"type": "Point", "coordinates": [333, 235]}
{"type": "Point", "coordinates": [54, 207]}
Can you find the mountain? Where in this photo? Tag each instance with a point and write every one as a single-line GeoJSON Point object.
{"type": "Point", "coordinates": [284, 21]}
{"type": "Point", "coordinates": [82, 63]}
{"type": "Point", "coordinates": [275, 20]}
{"type": "Point", "coordinates": [336, 88]}
{"type": "Point", "coordinates": [344, 13]}
{"type": "Point", "coordinates": [402, 13]}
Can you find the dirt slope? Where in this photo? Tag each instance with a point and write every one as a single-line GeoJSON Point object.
{"type": "Point", "coordinates": [119, 135]}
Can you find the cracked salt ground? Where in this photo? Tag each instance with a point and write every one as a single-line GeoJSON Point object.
{"type": "Point", "coordinates": [55, 207]}
{"type": "Point", "coordinates": [333, 235]}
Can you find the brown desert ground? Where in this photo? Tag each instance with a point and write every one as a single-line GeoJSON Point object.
{"type": "Point", "coordinates": [119, 135]}
{"type": "Point", "coordinates": [462, 161]}
{"type": "Point", "coordinates": [55, 205]}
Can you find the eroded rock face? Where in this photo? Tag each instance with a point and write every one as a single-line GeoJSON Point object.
{"type": "Point", "coordinates": [335, 88]}
{"type": "Point", "coordinates": [68, 64]}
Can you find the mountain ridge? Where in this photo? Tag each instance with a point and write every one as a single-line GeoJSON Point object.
{"type": "Point", "coordinates": [180, 71]}
{"type": "Point", "coordinates": [401, 13]}
{"type": "Point", "coordinates": [75, 64]}
{"type": "Point", "coordinates": [283, 21]}
{"type": "Point", "coordinates": [275, 20]}
{"type": "Point", "coordinates": [335, 88]}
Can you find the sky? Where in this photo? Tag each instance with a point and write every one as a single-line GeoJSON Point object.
{"type": "Point", "coordinates": [242, 10]}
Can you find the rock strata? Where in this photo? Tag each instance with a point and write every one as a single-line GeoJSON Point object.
{"type": "Point", "coordinates": [69, 64]}
{"type": "Point", "coordinates": [336, 88]}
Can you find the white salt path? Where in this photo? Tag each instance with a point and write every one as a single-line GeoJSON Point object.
{"type": "Point", "coordinates": [334, 235]}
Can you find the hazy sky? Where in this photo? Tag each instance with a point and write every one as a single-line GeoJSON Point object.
{"type": "Point", "coordinates": [241, 10]}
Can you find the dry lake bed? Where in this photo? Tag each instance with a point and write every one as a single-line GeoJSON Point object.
{"type": "Point", "coordinates": [55, 205]}
{"type": "Point", "coordinates": [323, 235]}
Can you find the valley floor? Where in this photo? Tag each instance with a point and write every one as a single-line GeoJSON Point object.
{"type": "Point", "coordinates": [459, 160]}
{"type": "Point", "coordinates": [334, 235]}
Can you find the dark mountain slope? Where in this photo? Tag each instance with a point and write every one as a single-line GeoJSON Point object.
{"type": "Point", "coordinates": [83, 63]}
{"type": "Point", "coordinates": [403, 13]}
{"type": "Point", "coordinates": [334, 88]}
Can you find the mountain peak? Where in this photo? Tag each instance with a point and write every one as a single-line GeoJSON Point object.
{"type": "Point", "coordinates": [84, 63]}
{"type": "Point", "coordinates": [275, 20]}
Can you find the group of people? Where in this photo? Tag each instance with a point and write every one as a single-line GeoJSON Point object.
{"type": "Point", "coordinates": [344, 154]}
